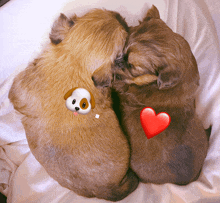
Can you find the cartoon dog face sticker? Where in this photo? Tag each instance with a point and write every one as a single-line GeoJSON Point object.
{"type": "Point", "coordinates": [79, 100]}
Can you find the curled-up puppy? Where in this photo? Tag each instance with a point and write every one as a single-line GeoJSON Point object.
{"type": "Point", "coordinates": [84, 153]}
{"type": "Point", "coordinates": [158, 70]}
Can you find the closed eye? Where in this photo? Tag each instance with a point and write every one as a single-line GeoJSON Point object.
{"type": "Point", "coordinates": [121, 61]}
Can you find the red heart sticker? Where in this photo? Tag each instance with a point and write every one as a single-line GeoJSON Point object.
{"type": "Point", "coordinates": [153, 124]}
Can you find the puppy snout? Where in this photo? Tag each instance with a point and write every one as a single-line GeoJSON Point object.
{"type": "Point", "coordinates": [77, 108]}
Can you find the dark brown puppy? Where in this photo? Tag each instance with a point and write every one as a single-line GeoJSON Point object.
{"type": "Point", "coordinates": [86, 154]}
{"type": "Point", "coordinates": [159, 70]}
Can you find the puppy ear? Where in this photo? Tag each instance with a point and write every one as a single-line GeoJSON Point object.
{"type": "Point", "coordinates": [69, 93]}
{"type": "Point", "coordinates": [168, 78]}
{"type": "Point", "coordinates": [102, 77]}
{"type": "Point", "coordinates": [60, 28]}
{"type": "Point", "coordinates": [92, 101]}
{"type": "Point", "coordinates": [152, 13]}
{"type": "Point", "coordinates": [121, 20]}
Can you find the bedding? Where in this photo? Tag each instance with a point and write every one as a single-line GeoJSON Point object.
{"type": "Point", "coordinates": [24, 30]}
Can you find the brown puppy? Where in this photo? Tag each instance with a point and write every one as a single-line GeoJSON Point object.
{"type": "Point", "coordinates": [86, 154]}
{"type": "Point", "coordinates": [158, 70]}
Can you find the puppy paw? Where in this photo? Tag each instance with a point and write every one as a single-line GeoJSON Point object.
{"type": "Point", "coordinates": [128, 184]}
{"type": "Point", "coordinates": [182, 164]}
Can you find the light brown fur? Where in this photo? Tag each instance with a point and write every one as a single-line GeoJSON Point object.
{"type": "Point", "coordinates": [158, 70]}
{"type": "Point", "coordinates": [87, 155]}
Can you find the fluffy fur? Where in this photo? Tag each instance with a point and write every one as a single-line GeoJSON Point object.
{"type": "Point", "coordinates": [158, 70]}
{"type": "Point", "coordinates": [87, 155]}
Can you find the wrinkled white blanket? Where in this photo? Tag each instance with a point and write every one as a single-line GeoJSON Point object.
{"type": "Point", "coordinates": [24, 29]}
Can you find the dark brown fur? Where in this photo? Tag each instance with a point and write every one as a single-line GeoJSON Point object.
{"type": "Point", "coordinates": [87, 155]}
{"type": "Point", "coordinates": [158, 70]}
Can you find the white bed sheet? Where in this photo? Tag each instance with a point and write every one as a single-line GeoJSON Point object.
{"type": "Point", "coordinates": [24, 28]}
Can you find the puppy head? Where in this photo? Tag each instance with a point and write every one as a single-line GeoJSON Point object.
{"type": "Point", "coordinates": [93, 40]}
{"type": "Point", "coordinates": [154, 54]}
{"type": "Point", "coordinates": [115, 33]}
{"type": "Point", "coordinates": [79, 100]}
